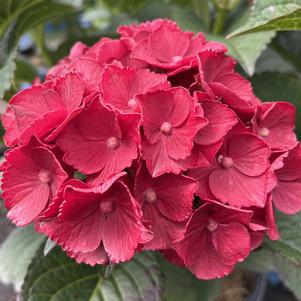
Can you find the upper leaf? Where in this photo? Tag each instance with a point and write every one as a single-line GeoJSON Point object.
{"type": "Point", "coordinates": [24, 15]}
{"type": "Point", "coordinates": [56, 277]}
{"type": "Point", "coordinates": [272, 15]}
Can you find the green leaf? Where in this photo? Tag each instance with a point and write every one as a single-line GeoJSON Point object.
{"type": "Point", "coordinates": [180, 284]}
{"type": "Point", "coordinates": [247, 49]}
{"type": "Point", "coordinates": [272, 86]}
{"type": "Point", "coordinates": [57, 277]}
{"type": "Point", "coordinates": [16, 253]}
{"type": "Point", "coordinates": [276, 15]}
{"type": "Point", "coordinates": [7, 72]}
{"type": "Point", "coordinates": [264, 260]}
{"type": "Point", "coordinates": [25, 71]}
{"type": "Point", "coordinates": [201, 8]}
{"type": "Point", "coordinates": [25, 15]}
{"type": "Point", "coordinates": [289, 245]}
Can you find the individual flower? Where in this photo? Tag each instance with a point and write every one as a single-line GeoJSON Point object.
{"type": "Point", "coordinates": [216, 238]}
{"type": "Point", "coordinates": [41, 108]}
{"type": "Point", "coordinates": [286, 194]}
{"type": "Point", "coordinates": [168, 47]}
{"type": "Point", "coordinates": [208, 140]}
{"type": "Point", "coordinates": [97, 223]}
{"type": "Point", "coordinates": [31, 178]}
{"type": "Point", "coordinates": [169, 131]}
{"type": "Point", "coordinates": [166, 203]}
{"type": "Point", "coordinates": [99, 141]}
{"type": "Point", "coordinates": [120, 86]}
{"type": "Point", "coordinates": [274, 123]}
{"type": "Point", "coordinates": [239, 174]}
{"type": "Point", "coordinates": [218, 78]}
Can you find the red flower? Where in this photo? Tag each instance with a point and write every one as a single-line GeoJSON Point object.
{"type": "Point", "coordinates": [208, 140]}
{"type": "Point", "coordinates": [90, 219]}
{"type": "Point", "coordinates": [41, 108]}
{"type": "Point", "coordinates": [274, 123]}
{"type": "Point", "coordinates": [168, 47]}
{"type": "Point", "coordinates": [286, 194]}
{"type": "Point", "coordinates": [168, 132]}
{"type": "Point", "coordinates": [239, 174]}
{"type": "Point", "coordinates": [31, 178]}
{"type": "Point", "coordinates": [120, 86]}
{"type": "Point", "coordinates": [138, 32]}
{"type": "Point", "coordinates": [216, 238]}
{"type": "Point", "coordinates": [166, 203]}
{"type": "Point", "coordinates": [218, 78]}
{"type": "Point", "coordinates": [98, 140]}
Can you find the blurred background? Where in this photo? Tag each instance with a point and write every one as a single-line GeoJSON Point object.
{"type": "Point", "coordinates": [36, 34]}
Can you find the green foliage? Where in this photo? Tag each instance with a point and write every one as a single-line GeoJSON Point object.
{"type": "Point", "coordinates": [272, 15]}
{"type": "Point", "coordinates": [283, 256]}
{"type": "Point", "coordinates": [56, 277]}
{"type": "Point", "coordinates": [22, 15]}
{"type": "Point", "coordinates": [7, 72]}
{"type": "Point", "coordinates": [226, 4]}
{"type": "Point", "coordinates": [16, 254]}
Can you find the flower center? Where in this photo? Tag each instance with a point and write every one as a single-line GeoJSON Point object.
{"type": "Point", "coordinates": [113, 143]}
{"type": "Point", "coordinates": [263, 132]}
{"type": "Point", "coordinates": [226, 162]}
{"type": "Point", "coordinates": [106, 206]}
{"type": "Point", "coordinates": [149, 195]}
{"type": "Point", "coordinates": [166, 128]}
{"type": "Point", "coordinates": [177, 58]}
{"type": "Point", "coordinates": [133, 103]}
{"type": "Point", "coordinates": [212, 225]}
{"type": "Point", "coordinates": [45, 176]}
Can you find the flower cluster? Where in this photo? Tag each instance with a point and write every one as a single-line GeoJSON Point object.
{"type": "Point", "coordinates": [151, 142]}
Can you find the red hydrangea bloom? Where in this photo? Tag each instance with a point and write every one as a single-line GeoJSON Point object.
{"type": "Point", "coordinates": [174, 151]}
{"type": "Point", "coordinates": [120, 86]}
{"type": "Point", "coordinates": [239, 174]}
{"type": "Point", "coordinates": [98, 140]}
{"type": "Point", "coordinates": [40, 108]}
{"type": "Point", "coordinates": [218, 78]}
{"type": "Point", "coordinates": [91, 219]}
{"type": "Point", "coordinates": [210, 245]}
{"type": "Point", "coordinates": [168, 47]}
{"type": "Point", "coordinates": [274, 123]}
{"type": "Point", "coordinates": [168, 132]}
{"type": "Point", "coordinates": [31, 178]}
{"type": "Point", "coordinates": [166, 204]}
{"type": "Point", "coordinates": [286, 194]}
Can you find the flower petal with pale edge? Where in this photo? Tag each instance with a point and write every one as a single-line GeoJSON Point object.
{"type": "Point", "coordinates": [174, 193]}
{"type": "Point", "coordinates": [165, 231]}
{"type": "Point", "coordinates": [221, 120]}
{"type": "Point", "coordinates": [84, 141]}
{"type": "Point", "coordinates": [237, 189]}
{"type": "Point", "coordinates": [123, 228]}
{"type": "Point", "coordinates": [250, 155]}
{"type": "Point", "coordinates": [197, 250]}
{"type": "Point", "coordinates": [225, 240]}
{"type": "Point", "coordinates": [98, 256]}
{"type": "Point", "coordinates": [286, 196]}
{"type": "Point", "coordinates": [279, 119]}
{"type": "Point", "coordinates": [81, 234]}
{"type": "Point", "coordinates": [23, 191]}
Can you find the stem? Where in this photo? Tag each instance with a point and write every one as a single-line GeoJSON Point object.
{"type": "Point", "coordinates": [219, 22]}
